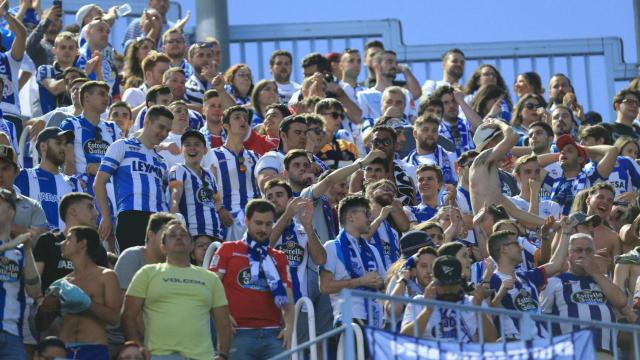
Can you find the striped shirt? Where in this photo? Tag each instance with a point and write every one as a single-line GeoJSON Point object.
{"type": "Point", "coordinates": [238, 187]}
{"type": "Point", "coordinates": [624, 177]}
{"type": "Point", "coordinates": [91, 141]}
{"type": "Point", "coordinates": [522, 297]}
{"type": "Point", "coordinates": [195, 89]}
{"type": "Point", "coordinates": [47, 188]}
{"type": "Point", "coordinates": [139, 175]}
{"type": "Point", "coordinates": [197, 203]}
{"type": "Point", "coordinates": [572, 296]}
{"type": "Point", "coordinates": [294, 243]}
{"type": "Point", "coordinates": [9, 129]}
{"type": "Point", "coordinates": [441, 157]}
{"type": "Point", "coordinates": [9, 69]}
{"type": "Point", "coordinates": [12, 294]}
{"type": "Point", "coordinates": [109, 69]}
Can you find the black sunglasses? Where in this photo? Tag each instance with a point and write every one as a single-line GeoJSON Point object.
{"type": "Point", "coordinates": [531, 106]}
{"type": "Point", "coordinates": [385, 142]}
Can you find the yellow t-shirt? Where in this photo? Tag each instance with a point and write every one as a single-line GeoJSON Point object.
{"type": "Point", "coordinates": [177, 307]}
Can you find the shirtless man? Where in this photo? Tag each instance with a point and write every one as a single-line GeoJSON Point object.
{"type": "Point", "coordinates": [95, 303]}
{"type": "Point", "coordinates": [494, 139]}
{"type": "Point", "coordinates": [599, 202]}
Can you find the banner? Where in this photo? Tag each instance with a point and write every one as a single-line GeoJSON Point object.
{"type": "Point", "coordinates": [385, 345]}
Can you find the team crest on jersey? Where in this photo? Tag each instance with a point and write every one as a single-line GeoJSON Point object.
{"type": "Point", "coordinates": [294, 252]}
{"type": "Point", "coordinates": [95, 147]}
{"type": "Point", "coordinates": [9, 270]}
{"type": "Point", "coordinates": [524, 301]}
{"type": "Point", "coordinates": [588, 297]}
{"type": "Point", "coordinates": [205, 195]}
{"type": "Point", "coordinates": [244, 280]}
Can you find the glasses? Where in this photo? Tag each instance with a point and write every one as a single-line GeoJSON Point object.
{"type": "Point", "coordinates": [175, 41]}
{"type": "Point", "coordinates": [318, 131]}
{"type": "Point", "coordinates": [633, 102]}
{"type": "Point", "coordinates": [334, 114]}
{"type": "Point", "coordinates": [532, 106]}
{"type": "Point", "coordinates": [202, 44]}
{"type": "Point", "coordinates": [581, 250]}
{"type": "Point", "coordinates": [385, 142]}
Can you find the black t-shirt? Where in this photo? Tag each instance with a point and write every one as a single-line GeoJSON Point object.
{"type": "Point", "coordinates": [47, 250]}
{"type": "Point", "coordinates": [618, 130]}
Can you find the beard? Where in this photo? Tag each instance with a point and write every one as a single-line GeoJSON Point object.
{"type": "Point", "coordinates": [55, 159]}
{"type": "Point", "coordinates": [427, 146]}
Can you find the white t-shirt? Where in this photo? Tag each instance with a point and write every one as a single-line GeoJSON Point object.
{"type": "Point", "coordinates": [370, 101]}
{"type": "Point", "coordinates": [285, 91]}
{"type": "Point", "coordinates": [167, 155]}
{"type": "Point", "coordinates": [431, 85]}
{"type": "Point", "coordinates": [545, 207]}
{"type": "Point", "coordinates": [134, 96]}
{"type": "Point", "coordinates": [273, 160]}
{"type": "Point", "coordinates": [442, 324]}
{"type": "Point", "coordinates": [335, 266]}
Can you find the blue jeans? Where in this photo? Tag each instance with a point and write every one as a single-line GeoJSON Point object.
{"type": "Point", "coordinates": [11, 347]}
{"type": "Point", "coordinates": [255, 344]}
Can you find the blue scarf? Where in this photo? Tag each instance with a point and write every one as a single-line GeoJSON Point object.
{"type": "Point", "coordinates": [395, 253]}
{"type": "Point", "coordinates": [263, 266]}
{"type": "Point", "coordinates": [349, 257]}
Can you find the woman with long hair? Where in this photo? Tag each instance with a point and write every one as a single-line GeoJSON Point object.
{"type": "Point", "coordinates": [264, 94]}
{"type": "Point", "coordinates": [627, 146]}
{"type": "Point", "coordinates": [490, 101]}
{"type": "Point", "coordinates": [528, 82]}
{"type": "Point", "coordinates": [134, 53]}
{"type": "Point", "coordinates": [486, 75]}
{"type": "Point", "coordinates": [239, 83]}
{"type": "Point", "coordinates": [529, 109]}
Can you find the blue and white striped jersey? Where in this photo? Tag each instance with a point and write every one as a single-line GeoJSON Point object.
{"type": "Point", "coordinates": [579, 297]}
{"type": "Point", "coordinates": [109, 70]}
{"type": "Point", "coordinates": [197, 204]}
{"type": "Point", "coordinates": [12, 294]}
{"type": "Point", "coordinates": [195, 89]}
{"type": "Point", "coordinates": [138, 176]}
{"type": "Point", "coordinates": [9, 70]}
{"type": "Point", "coordinates": [238, 187]}
{"type": "Point", "coordinates": [91, 142]}
{"type": "Point", "coordinates": [48, 101]}
{"type": "Point", "coordinates": [624, 177]}
{"type": "Point", "coordinates": [47, 188]}
{"type": "Point", "coordinates": [9, 129]}
{"type": "Point", "coordinates": [522, 297]}
{"type": "Point", "coordinates": [564, 190]}
{"type": "Point", "coordinates": [294, 243]}
{"type": "Point", "coordinates": [441, 157]}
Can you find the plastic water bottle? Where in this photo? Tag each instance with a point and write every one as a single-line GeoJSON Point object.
{"type": "Point", "coordinates": [123, 10]}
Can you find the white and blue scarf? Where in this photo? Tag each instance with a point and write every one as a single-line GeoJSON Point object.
{"type": "Point", "coordinates": [263, 266]}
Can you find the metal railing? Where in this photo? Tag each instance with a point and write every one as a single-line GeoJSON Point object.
{"type": "Point", "coordinates": [527, 325]}
{"type": "Point", "coordinates": [527, 321]}
{"type": "Point", "coordinates": [595, 66]}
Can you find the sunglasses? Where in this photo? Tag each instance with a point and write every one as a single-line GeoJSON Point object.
{"type": "Point", "coordinates": [334, 114]}
{"type": "Point", "coordinates": [385, 142]}
{"type": "Point", "coordinates": [318, 131]}
{"type": "Point", "coordinates": [202, 44]}
{"type": "Point", "coordinates": [531, 106]}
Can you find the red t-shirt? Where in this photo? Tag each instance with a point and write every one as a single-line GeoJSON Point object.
{"type": "Point", "coordinates": [257, 143]}
{"type": "Point", "coordinates": [250, 305]}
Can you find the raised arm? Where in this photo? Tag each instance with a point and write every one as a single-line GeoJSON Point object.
{"type": "Point", "coordinates": [559, 257]}
{"type": "Point", "coordinates": [19, 31]}
{"type": "Point", "coordinates": [609, 157]}
{"type": "Point", "coordinates": [469, 113]}
{"type": "Point", "coordinates": [412, 83]}
{"type": "Point", "coordinates": [323, 186]}
{"type": "Point", "coordinates": [509, 140]}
